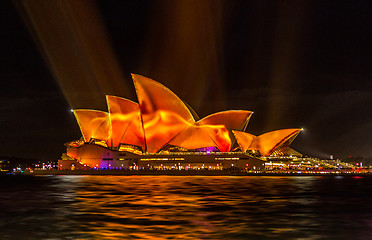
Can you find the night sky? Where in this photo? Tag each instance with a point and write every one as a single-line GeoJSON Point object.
{"type": "Point", "coordinates": [296, 64]}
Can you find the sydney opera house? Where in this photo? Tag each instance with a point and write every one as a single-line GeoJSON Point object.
{"type": "Point", "coordinates": [163, 132]}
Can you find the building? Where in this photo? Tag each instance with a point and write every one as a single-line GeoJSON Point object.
{"type": "Point", "coordinates": [163, 132]}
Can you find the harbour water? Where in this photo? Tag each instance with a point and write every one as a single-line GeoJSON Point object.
{"type": "Point", "coordinates": [185, 207]}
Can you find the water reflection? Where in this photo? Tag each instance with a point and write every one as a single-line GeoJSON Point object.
{"type": "Point", "coordinates": [171, 207]}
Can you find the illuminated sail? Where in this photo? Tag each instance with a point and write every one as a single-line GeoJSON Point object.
{"type": "Point", "coordinates": [266, 143]}
{"type": "Point", "coordinates": [233, 119]}
{"type": "Point", "coordinates": [126, 124]}
{"type": "Point", "coordinates": [93, 124]}
{"type": "Point", "coordinates": [244, 139]}
{"type": "Point", "coordinates": [164, 115]}
{"type": "Point", "coordinates": [161, 118]}
{"type": "Point", "coordinates": [194, 137]}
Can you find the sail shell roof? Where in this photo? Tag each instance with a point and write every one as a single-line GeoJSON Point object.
{"type": "Point", "coordinates": [160, 117]}
{"type": "Point", "coordinates": [232, 119]}
{"type": "Point", "coordinates": [93, 124]}
{"type": "Point", "coordinates": [125, 119]}
{"type": "Point", "coordinates": [267, 142]}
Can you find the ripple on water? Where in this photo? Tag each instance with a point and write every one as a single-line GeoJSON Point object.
{"type": "Point", "coordinates": [191, 207]}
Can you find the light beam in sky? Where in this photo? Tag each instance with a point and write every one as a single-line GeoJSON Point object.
{"type": "Point", "coordinates": [75, 44]}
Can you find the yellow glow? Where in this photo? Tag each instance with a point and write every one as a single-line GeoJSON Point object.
{"type": "Point", "coordinates": [244, 139]}
{"type": "Point", "coordinates": [164, 115]}
{"type": "Point", "coordinates": [93, 124]}
{"type": "Point", "coordinates": [162, 159]}
{"type": "Point", "coordinates": [166, 119]}
{"type": "Point", "coordinates": [232, 119]}
{"type": "Point", "coordinates": [194, 137]}
{"type": "Point", "coordinates": [267, 142]}
{"type": "Point", "coordinates": [153, 96]}
{"type": "Point", "coordinates": [161, 118]}
{"type": "Point", "coordinates": [270, 141]}
{"type": "Point", "coordinates": [126, 124]}
{"type": "Point", "coordinates": [129, 149]}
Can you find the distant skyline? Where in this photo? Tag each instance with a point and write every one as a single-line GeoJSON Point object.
{"type": "Point", "coordinates": [304, 64]}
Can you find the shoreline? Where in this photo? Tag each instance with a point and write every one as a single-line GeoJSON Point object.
{"type": "Point", "coordinates": [119, 172]}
